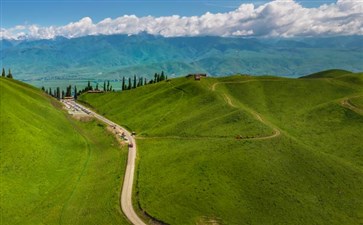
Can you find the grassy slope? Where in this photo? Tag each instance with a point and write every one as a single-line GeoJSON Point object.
{"type": "Point", "coordinates": [183, 108]}
{"type": "Point", "coordinates": [50, 164]}
{"type": "Point", "coordinates": [311, 174]}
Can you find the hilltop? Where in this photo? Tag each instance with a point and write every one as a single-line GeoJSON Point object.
{"type": "Point", "coordinates": [246, 150]}
{"type": "Point", "coordinates": [50, 163]}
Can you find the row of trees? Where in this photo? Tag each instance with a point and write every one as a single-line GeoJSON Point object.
{"type": "Point", "coordinates": [136, 82]}
{"type": "Point", "coordinates": [61, 94]}
{"type": "Point", "coordinates": [10, 75]}
{"type": "Point", "coordinates": [140, 81]}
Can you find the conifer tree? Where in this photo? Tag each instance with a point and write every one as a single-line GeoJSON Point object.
{"type": "Point", "coordinates": [3, 73]}
{"type": "Point", "coordinates": [10, 75]}
{"type": "Point", "coordinates": [134, 86]}
{"type": "Point", "coordinates": [108, 85]}
{"type": "Point", "coordinates": [155, 77]}
{"type": "Point", "coordinates": [96, 87]}
{"type": "Point", "coordinates": [104, 85]}
{"type": "Point", "coordinates": [75, 92]}
{"type": "Point", "coordinates": [62, 94]}
{"type": "Point", "coordinates": [145, 82]}
{"type": "Point", "coordinates": [162, 76]}
{"type": "Point", "coordinates": [123, 84]}
{"type": "Point", "coordinates": [129, 87]}
{"type": "Point", "coordinates": [158, 78]}
{"type": "Point", "coordinates": [58, 93]}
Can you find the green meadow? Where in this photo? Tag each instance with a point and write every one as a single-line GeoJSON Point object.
{"type": "Point", "coordinates": [54, 169]}
{"type": "Point", "coordinates": [299, 160]}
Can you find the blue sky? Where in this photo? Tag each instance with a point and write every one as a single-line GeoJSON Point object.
{"type": "Point", "coordinates": [47, 19]}
{"type": "Point", "coordinates": [61, 12]}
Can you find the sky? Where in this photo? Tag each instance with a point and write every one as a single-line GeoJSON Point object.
{"type": "Point", "coordinates": [45, 19]}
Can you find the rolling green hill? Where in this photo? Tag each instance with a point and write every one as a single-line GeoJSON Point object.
{"type": "Point", "coordinates": [54, 169]}
{"type": "Point", "coordinates": [299, 161]}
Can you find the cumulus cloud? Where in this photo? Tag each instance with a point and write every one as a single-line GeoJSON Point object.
{"type": "Point", "coordinates": [278, 18]}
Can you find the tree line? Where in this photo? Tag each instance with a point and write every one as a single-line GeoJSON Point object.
{"type": "Point", "coordinates": [107, 87]}
{"type": "Point", "coordinates": [9, 75]}
{"type": "Point", "coordinates": [140, 81]}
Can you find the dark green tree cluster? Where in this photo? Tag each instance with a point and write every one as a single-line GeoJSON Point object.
{"type": "Point", "coordinates": [140, 81]}
{"type": "Point", "coordinates": [158, 77]}
{"type": "Point", "coordinates": [10, 75]}
{"type": "Point", "coordinates": [132, 83]}
{"type": "Point", "coordinates": [107, 86]}
{"type": "Point", "coordinates": [61, 94]}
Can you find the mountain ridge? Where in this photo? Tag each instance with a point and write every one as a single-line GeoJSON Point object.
{"type": "Point", "coordinates": [115, 56]}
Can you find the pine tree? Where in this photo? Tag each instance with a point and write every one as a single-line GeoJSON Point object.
{"type": "Point", "coordinates": [104, 85]}
{"type": "Point", "coordinates": [57, 93]}
{"type": "Point", "coordinates": [3, 73]}
{"type": "Point", "coordinates": [123, 84]}
{"type": "Point", "coordinates": [97, 87]}
{"type": "Point", "coordinates": [75, 92]}
{"type": "Point", "coordinates": [134, 86]}
{"type": "Point", "coordinates": [108, 85]}
{"type": "Point", "coordinates": [62, 94]}
{"type": "Point", "coordinates": [88, 86]}
{"type": "Point", "coordinates": [43, 89]}
{"type": "Point", "coordinates": [129, 87]}
{"type": "Point", "coordinates": [10, 75]}
{"type": "Point", "coordinates": [50, 91]}
{"type": "Point", "coordinates": [162, 76]}
{"type": "Point", "coordinates": [69, 91]}
{"type": "Point", "coordinates": [155, 77]}
{"type": "Point", "coordinates": [145, 82]}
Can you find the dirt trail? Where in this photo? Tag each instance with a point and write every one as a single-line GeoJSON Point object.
{"type": "Point", "coordinates": [276, 131]}
{"type": "Point", "coordinates": [346, 103]}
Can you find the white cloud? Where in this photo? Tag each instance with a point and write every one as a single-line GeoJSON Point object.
{"type": "Point", "coordinates": [279, 18]}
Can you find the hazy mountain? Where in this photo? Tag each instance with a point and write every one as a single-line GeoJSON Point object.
{"type": "Point", "coordinates": [111, 57]}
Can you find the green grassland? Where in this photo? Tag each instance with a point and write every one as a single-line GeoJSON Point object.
{"type": "Point", "coordinates": [191, 169]}
{"type": "Point", "coordinates": [54, 169]}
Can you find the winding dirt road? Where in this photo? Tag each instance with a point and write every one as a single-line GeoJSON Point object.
{"type": "Point", "coordinates": [126, 191]}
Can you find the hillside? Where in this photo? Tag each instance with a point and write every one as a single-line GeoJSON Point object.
{"type": "Point", "coordinates": [50, 163]}
{"type": "Point", "coordinates": [299, 160]}
{"type": "Point", "coordinates": [111, 57]}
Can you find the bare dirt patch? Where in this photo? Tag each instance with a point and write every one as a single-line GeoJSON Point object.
{"type": "Point", "coordinates": [209, 220]}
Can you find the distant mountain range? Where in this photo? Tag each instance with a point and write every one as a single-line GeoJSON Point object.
{"type": "Point", "coordinates": [114, 56]}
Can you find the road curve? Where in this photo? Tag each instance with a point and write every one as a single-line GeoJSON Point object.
{"type": "Point", "coordinates": [126, 192]}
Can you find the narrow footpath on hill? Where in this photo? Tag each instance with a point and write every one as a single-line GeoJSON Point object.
{"type": "Point", "coordinates": [347, 104]}
{"type": "Point", "coordinates": [276, 131]}
{"type": "Point", "coordinates": [126, 191]}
